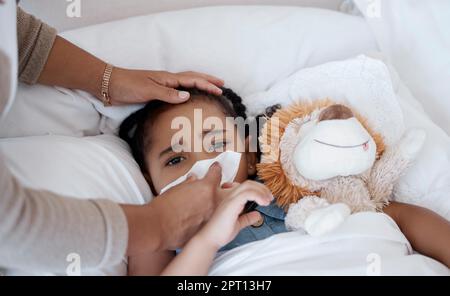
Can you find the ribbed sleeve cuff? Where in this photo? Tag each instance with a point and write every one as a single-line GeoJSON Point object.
{"type": "Point", "coordinates": [39, 55]}
{"type": "Point", "coordinates": [116, 232]}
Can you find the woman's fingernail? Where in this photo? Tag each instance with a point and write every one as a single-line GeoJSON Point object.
{"type": "Point", "coordinates": [184, 95]}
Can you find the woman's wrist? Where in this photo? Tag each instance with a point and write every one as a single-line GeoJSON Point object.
{"type": "Point", "coordinates": [143, 230]}
{"type": "Point", "coordinates": [72, 67]}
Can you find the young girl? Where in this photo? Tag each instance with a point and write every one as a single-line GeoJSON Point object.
{"type": "Point", "coordinates": [163, 158]}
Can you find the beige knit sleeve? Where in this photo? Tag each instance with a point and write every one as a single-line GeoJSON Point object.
{"type": "Point", "coordinates": [39, 229]}
{"type": "Point", "coordinates": [35, 41]}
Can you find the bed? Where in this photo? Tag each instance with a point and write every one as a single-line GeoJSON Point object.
{"type": "Point", "coordinates": [72, 148]}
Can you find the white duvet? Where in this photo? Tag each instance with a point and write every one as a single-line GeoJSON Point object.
{"type": "Point", "coordinates": [365, 244]}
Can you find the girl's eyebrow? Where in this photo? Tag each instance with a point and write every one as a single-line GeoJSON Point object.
{"type": "Point", "coordinates": [165, 151]}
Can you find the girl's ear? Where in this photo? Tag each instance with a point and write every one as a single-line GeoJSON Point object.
{"type": "Point", "coordinates": [251, 158]}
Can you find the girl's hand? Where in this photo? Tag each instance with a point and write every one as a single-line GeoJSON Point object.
{"type": "Point", "coordinates": [140, 86]}
{"type": "Point", "coordinates": [228, 220]}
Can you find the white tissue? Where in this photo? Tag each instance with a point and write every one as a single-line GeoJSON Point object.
{"type": "Point", "coordinates": [228, 160]}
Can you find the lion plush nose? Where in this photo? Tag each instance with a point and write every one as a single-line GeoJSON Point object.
{"type": "Point", "coordinates": [336, 112]}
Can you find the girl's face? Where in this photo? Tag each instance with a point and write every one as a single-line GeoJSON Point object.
{"type": "Point", "coordinates": [166, 163]}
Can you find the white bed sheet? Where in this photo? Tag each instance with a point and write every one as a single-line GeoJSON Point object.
{"type": "Point", "coordinates": [366, 244]}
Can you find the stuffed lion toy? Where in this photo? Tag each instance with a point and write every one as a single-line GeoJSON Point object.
{"type": "Point", "coordinates": [322, 161]}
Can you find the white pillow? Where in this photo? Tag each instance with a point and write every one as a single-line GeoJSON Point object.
{"type": "Point", "coordinates": [376, 91]}
{"type": "Point", "coordinates": [250, 47]}
{"type": "Point", "coordinates": [362, 82]}
{"type": "Point", "coordinates": [85, 168]}
{"type": "Point", "coordinates": [41, 110]}
{"type": "Point", "coordinates": [415, 36]}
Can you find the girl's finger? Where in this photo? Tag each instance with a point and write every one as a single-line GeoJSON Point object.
{"type": "Point", "coordinates": [255, 186]}
{"type": "Point", "coordinates": [237, 204]}
{"type": "Point", "coordinates": [248, 219]}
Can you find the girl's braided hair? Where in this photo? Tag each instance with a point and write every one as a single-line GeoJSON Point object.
{"type": "Point", "coordinates": [134, 129]}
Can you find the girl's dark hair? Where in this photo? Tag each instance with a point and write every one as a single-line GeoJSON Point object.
{"type": "Point", "coordinates": [134, 128]}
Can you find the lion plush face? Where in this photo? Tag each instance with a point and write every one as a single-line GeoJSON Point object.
{"type": "Point", "coordinates": [333, 147]}
{"type": "Point", "coordinates": [307, 144]}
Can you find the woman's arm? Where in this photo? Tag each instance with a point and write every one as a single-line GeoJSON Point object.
{"type": "Point", "coordinates": [149, 264]}
{"type": "Point", "coordinates": [428, 233]}
{"type": "Point", "coordinates": [40, 229]}
{"type": "Point", "coordinates": [72, 67]}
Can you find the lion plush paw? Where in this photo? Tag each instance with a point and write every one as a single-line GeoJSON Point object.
{"type": "Point", "coordinates": [325, 220]}
{"type": "Point", "coordinates": [300, 211]}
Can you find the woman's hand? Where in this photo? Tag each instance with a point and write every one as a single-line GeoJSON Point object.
{"type": "Point", "coordinates": [171, 219]}
{"type": "Point", "coordinates": [228, 219]}
{"type": "Point", "coordinates": [139, 86]}
{"type": "Point", "coordinates": [72, 67]}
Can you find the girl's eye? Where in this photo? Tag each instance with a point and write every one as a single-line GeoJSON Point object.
{"type": "Point", "coordinates": [175, 160]}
